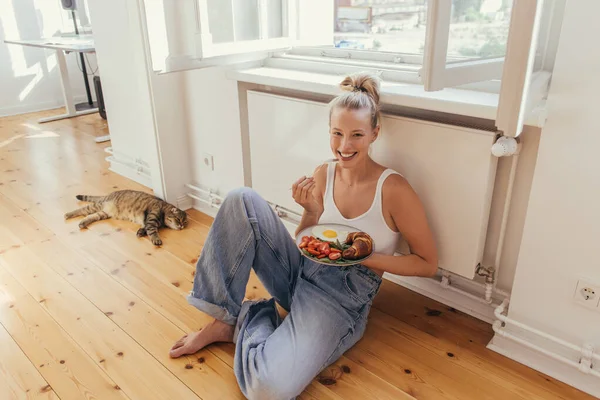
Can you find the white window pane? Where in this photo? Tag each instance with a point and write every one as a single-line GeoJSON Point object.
{"type": "Point", "coordinates": [220, 19]}
{"type": "Point", "coordinates": [243, 20]}
{"type": "Point", "coordinates": [396, 26]}
{"type": "Point", "coordinates": [246, 20]}
{"type": "Point", "coordinates": [274, 18]}
{"type": "Point", "coordinates": [478, 29]}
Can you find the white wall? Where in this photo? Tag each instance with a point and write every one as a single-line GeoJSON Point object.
{"type": "Point", "coordinates": [214, 129]}
{"type": "Point", "coordinates": [125, 85]}
{"type": "Point", "coordinates": [562, 227]}
{"type": "Point", "coordinates": [29, 77]}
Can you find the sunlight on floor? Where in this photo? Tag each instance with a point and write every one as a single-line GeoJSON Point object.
{"type": "Point", "coordinates": [9, 141]}
{"type": "Point", "coordinates": [41, 135]}
{"type": "Point", "coordinates": [30, 126]}
{"type": "Point", "coordinates": [44, 134]}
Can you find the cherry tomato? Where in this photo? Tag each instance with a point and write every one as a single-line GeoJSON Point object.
{"type": "Point", "coordinates": [313, 252]}
{"type": "Point", "coordinates": [334, 250]}
{"type": "Point", "coordinates": [322, 256]}
{"type": "Point", "coordinates": [334, 256]}
{"type": "Point", "coordinates": [303, 245]}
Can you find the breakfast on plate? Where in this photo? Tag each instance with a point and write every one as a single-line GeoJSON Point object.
{"type": "Point", "coordinates": [361, 245]}
{"type": "Point", "coordinates": [328, 233]}
{"type": "Point", "coordinates": [325, 245]}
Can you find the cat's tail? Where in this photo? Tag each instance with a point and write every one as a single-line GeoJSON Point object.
{"type": "Point", "coordinates": [92, 199]}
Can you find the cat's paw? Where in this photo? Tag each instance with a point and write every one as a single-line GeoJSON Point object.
{"type": "Point", "coordinates": [141, 232]}
{"type": "Point", "coordinates": [156, 241]}
{"type": "Point", "coordinates": [68, 216]}
{"type": "Point", "coordinates": [82, 225]}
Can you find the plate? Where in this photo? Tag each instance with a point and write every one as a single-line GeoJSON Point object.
{"type": "Point", "coordinates": [343, 229]}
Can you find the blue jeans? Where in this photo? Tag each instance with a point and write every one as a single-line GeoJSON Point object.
{"type": "Point", "coordinates": [327, 305]}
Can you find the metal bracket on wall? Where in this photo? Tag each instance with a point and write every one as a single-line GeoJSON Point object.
{"type": "Point", "coordinates": [489, 273]}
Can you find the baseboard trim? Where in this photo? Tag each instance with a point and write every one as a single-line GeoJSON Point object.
{"type": "Point", "coordinates": [29, 108]}
{"type": "Point", "coordinates": [185, 202]}
{"type": "Point", "coordinates": [142, 177]}
{"type": "Point", "coordinates": [204, 208]}
{"type": "Point", "coordinates": [36, 107]}
{"type": "Point", "coordinates": [431, 288]}
{"type": "Point", "coordinates": [545, 364]}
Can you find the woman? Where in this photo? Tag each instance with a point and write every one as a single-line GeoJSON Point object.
{"type": "Point", "coordinates": [328, 305]}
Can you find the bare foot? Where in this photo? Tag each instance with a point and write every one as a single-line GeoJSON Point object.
{"type": "Point", "coordinates": [216, 331]}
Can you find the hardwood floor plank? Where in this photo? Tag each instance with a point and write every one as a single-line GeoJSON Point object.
{"type": "Point", "coordinates": [169, 277]}
{"type": "Point", "coordinates": [149, 328]}
{"type": "Point", "coordinates": [455, 336]}
{"type": "Point", "coordinates": [209, 377]}
{"type": "Point", "coordinates": [350, 380]}
{"type": "Point", "coordinates": [17, 229]}
{"type": "Point", "coordinates": [430, 316]}
{"type": "Point", "coordinates": [476, 362]}
{"type": "Point", "coordinates": [66, 369]}
{"type": "Point", "coordinates": [19, 379]}
{"type": "Point", "coordinates": [124, 360]}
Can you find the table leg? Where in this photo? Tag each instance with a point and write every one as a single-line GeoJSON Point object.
{"type": "Point", "coordinates": [67, 92]}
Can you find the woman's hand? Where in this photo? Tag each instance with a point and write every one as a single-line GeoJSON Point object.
{"type": "Point", "coordinates": [303, 194]}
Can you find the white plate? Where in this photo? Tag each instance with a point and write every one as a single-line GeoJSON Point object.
{"type": "Point", "coordinates": [308, 232]}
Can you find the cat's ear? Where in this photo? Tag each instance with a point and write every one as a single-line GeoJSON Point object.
{"type": "Point", "coordinates": [173, 210]}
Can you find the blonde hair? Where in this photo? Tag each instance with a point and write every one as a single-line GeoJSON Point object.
{"type": "Point", "coordinates": [362, 91]}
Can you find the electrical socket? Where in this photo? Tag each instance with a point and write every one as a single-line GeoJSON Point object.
{"type": "Point", "coordinates": [587, 293]}
{"type": "Point", "coordinates": [208, 161]}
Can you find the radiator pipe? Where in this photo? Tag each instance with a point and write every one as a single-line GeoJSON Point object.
{"type": "Point", "coordinates": [504, 147]}
{"type": "Point", "coordinates": [586, 363]}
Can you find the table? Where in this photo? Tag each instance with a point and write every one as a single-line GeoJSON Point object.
{"type": "Point", "coordinates": [64, 45]}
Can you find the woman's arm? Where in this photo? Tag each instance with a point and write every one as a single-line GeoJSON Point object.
{"type": "Point", "coordinates": [409, 217]}
{"type": "Point", "coordinates": [308, 192]}
{"type": "Point", "coordinates": [308, 219]}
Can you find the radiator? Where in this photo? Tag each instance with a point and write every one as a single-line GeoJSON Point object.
{"type": "Point", "coordinates": [451, 168]}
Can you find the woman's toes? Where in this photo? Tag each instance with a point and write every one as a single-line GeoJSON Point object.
{"type": "Point", "coordinates": [178, 351]}
{"type": "Point", "coordinates": [177, 345]}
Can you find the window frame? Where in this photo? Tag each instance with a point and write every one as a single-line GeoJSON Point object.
{"type": "Point", "coordinates": [295, 53]}
{"type": "Point", "coordinates": [206, 49]}
{"type": "Point", "coordinates": [437, 73]}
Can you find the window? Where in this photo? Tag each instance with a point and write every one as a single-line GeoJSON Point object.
{"type": "Point", "coordinates": [182, 32]}
{"type": "Point", "coordinates": [443, 43]}
{"type": "Point", "coordinates": [391, 26]}
{"type": "Point", "coordinates": [478, 29]}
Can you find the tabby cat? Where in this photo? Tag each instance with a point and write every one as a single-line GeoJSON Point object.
{"type": "Point", "coordinates": [130, 205]}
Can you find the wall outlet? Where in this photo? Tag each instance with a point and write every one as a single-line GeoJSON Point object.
{"type": "Point", "coordinates": [587, 293]}
{"type": "Point", "coordinates": [207, 160]}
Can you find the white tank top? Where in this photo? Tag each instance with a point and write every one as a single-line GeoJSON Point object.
{"type": "Point", "coordinates": [372, 222]}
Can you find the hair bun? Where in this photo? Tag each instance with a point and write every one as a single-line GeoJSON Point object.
{"type": "Point", "coordinates": [363, 82]}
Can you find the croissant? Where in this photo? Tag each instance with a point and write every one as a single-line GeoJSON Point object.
{"type": "Point", "coordinates": [361, 246]}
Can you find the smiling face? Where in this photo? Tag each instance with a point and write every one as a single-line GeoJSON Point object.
{"type": "Point", "coordinates": [351, 134]}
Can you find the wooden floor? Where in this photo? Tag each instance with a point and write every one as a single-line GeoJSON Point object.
{"type": "Point", "coordinates": [91, 314]}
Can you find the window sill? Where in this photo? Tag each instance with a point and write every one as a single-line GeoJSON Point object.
{"type": "Point", "coordinates": [462, 102]}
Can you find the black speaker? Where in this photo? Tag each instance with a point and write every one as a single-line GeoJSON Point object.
{"type": "Point", "coordinates": [69, 4]}
{"type": "Point", "coordinates": [99, 96]}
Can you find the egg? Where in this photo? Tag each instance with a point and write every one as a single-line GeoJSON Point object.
{"type": "Point", "coordinates": [328, 233]}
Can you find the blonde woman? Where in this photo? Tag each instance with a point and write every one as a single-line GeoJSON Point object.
{"type": "Point", "coordinates": [328, 305]}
